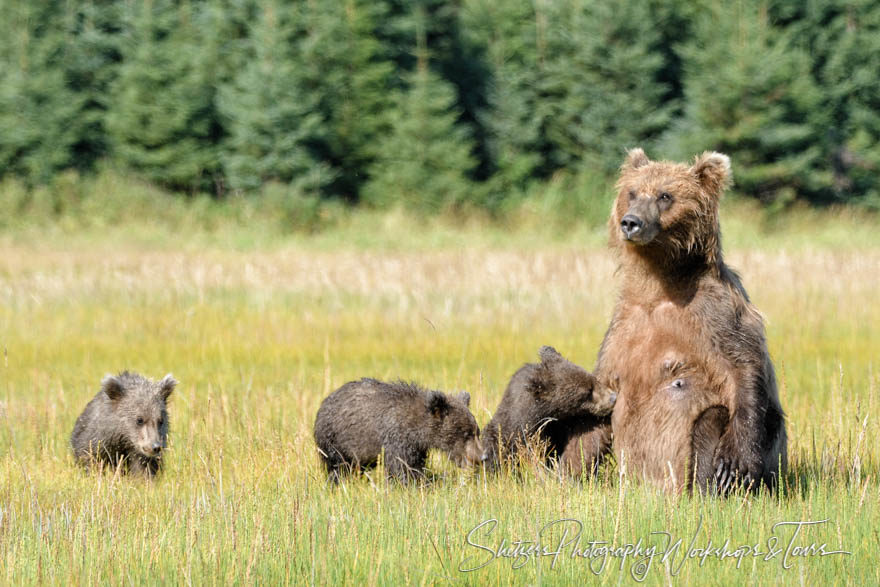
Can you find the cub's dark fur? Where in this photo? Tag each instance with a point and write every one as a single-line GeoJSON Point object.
{"type": "Point", "coordinates": [556, 400]}
{"type": "Point", "coordinates": [361, 418]}
{"type": "Point", "coordinates": [125, 425]}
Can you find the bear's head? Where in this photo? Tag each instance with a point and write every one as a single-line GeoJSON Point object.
{"type": "Point", "coordinates": [454, 428]}
{"type": "Point", "coordinates": [562, 389]}
{"type": "Point", "coordinates": [669, 211]}
{"type": "Point", "coordinates": [140, 408]}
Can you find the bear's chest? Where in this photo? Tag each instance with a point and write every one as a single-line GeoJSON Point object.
{"type": "Point", "coordinates": [647, 351]}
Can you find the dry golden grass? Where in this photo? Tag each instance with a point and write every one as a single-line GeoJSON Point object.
{"type": "Point", "coordinates": [258, 338]}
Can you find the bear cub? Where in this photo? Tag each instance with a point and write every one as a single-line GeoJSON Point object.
{"type": "Point", "coordinates": [358, 420]}
{"type": "Point", "coordinates": [125, 425]}
{"type": "Point", "coordinates": [556, 400]}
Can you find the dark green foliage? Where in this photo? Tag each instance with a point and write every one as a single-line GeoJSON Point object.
{"type": "Point", "coordinates": [39, 113]}
{"type": "Point", "coordinates": [574, 85]}
{"type": "Point", "coordinates": [438, 104]}
{"type": "Point", "coordinates": [602, 82]}
{"type": "Point", "coordinates": [514, 120]}
{"type": "Point", "coordinates": [423, 162]}
{"type": "Point", "coordinates": [843, 38]}
{"type": "Point", "coordinates": [749, 93]}
{"type": "Point", "coordinates": [162, 121]}
{"type": "Point", "coordinates": [271, 118]}
{"type": "Point", "coordinates": [349, 77]}
{"type": "Point", "coordinates": [852, 77]}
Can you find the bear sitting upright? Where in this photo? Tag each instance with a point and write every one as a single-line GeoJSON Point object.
{"type": "Point", "coordinates": [553, 400]}
{"type": "Point", "coordinates": [679, 303]}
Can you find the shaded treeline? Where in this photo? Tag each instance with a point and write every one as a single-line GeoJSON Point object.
{"type": "Point", "coordinates": [440, 104]}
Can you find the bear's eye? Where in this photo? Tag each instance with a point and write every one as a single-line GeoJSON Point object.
{"type": "Point", "coordinates": [678, 383]}
{"type": "Point", "coordinates": [632, 194]}
{"type": "Point", "coordinates": [140, 422]}
{"type": "Point", "coordinates": [664, 196]}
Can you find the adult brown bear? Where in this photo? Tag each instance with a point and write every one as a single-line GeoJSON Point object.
{"type": "Point", "coordinates": [697, 400]}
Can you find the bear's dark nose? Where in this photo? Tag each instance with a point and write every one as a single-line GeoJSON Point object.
{"type": "Point", "coordinates": [631, 224]}
{"type": "Point", "coordinates": [157, 447]}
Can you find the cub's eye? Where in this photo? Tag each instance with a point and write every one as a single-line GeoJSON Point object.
{"type": "Point", "coordinates": [632, 194]}
{"type": "Point", "coordinates": [140, 421]}
{"type": "Point", "coordinates": [664, 197]}
{"type": "Point", "coordinates": [678, 383]}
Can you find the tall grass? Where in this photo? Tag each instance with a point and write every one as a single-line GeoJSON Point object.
{"type": "Point", "coordinates": [257, 337]}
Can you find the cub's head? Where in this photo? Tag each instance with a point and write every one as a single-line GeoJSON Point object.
{"type": "Point", "coordinates": [670, 209]}
{"type": "Point", "coordinates": [140, 406]}
{"type": "Point", "coordinates": [454, 428]}
{"type": "Point", "coordinates": [562, 389]}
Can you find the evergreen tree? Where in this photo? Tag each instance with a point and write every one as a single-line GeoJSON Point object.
{"type": "Point", "coordinates": [162, 120]}
{"type": "Point", "coordinates": [749, 94]}
{"type": "Point", "coordinates": [849, 78]}
{"type": "Point", "coordinates": [346, 71]}
{"type": "Point", "coordinates": [91, 61]}
{"type": "Point", "coordinates": [38, 111]}
{"type": "Point", "coordinates": [512, 36]}
{"type": "Point", "coordinates": [272, 122]}
{"type": "Point", "coordinates": [455, 55]}
{"type": "Point", "coordinates": [602, 82]}
{"type": "Point", "coordinates": [424, 161]}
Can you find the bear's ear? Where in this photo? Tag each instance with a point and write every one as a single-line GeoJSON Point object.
{"type": "Point", "coordinates": [712, 170]}
{"type": "Point", "coordinates": [464, 397]}
{"type": "Point", "coordinates": [112, 386]}
{"type": "Point", "coordinates": [635, 158]}
{"type": "Point", "coordinates": [167, 385]}
{"type": "Point", "coordinates": [437, 403]}
{"type": "Point", "coordinates": [549, 355]}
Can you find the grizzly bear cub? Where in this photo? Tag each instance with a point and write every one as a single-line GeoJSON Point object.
{"type": "Point", "coordinates": [361, 418]}
{"type": "Point", "coordinates": [555, 401]}
{"type": "Point", "coordinates": [125, 425]}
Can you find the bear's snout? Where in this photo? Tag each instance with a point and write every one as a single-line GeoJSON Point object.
{"type": "Point", "coordinates": [631, 225]}
{"type": "Point", "coordinates": [474, 454]}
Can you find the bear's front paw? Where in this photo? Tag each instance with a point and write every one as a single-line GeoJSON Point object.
{"type": "Point", "coordinates": [735, 466]}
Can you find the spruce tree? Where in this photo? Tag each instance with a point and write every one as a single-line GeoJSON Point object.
{"type": "Point", "coordinates": [271, 120]}
{"type": "Point", "coordinates": [850, 80]}
{"type": "Point", "coordinates": [749, 94]}
{"type": "Point", "coordinates": [603, 82]}
{"type": "Point", "coordinates": [162, 120]}
{"type": "Point", "coordinates": [424, 161]}
{"type": "Point", "coordinates": [512, 36]}
{"type": "Point", "coordinates": [347, 73]}
{"type": "Point", "coordinates": [38, 110]}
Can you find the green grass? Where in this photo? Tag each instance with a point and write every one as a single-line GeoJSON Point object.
{"type": "Point", "coordinates": [258, 329]}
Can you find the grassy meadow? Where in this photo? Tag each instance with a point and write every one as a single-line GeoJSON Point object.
{"type": "Point", "coordinates": [258, 329]}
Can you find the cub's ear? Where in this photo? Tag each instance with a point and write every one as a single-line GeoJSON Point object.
{"type": "Point", "coordinates": [548, 354]}
{"type": "Point", "coordinates": [112, 386]}
{"type": "Point", "coordinates": [538, 383]}
{"type": "Point", "coordinates": [464, 397]}
{"type": "Point", "coordinates": [712, 170]}
{"type": "Point", "coordinates": [437, 403]}
{"type": "Point", "coordinates": [167, 385]}
{"type": "Point", "coordinates": [635, 158]}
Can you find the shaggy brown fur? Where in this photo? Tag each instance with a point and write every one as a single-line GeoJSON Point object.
{"type": "Point", "coordinates": [361, 418]}
{"type": "Point", "coordinates": [125, 425]}
{"type": "Point", "coordinates": [551, 400]}
{"type": "Point", "coordinates": [697, 390]}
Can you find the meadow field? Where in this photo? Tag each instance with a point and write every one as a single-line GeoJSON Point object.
{"type": "Point", "coordinates": [258, 330]}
